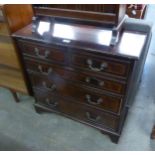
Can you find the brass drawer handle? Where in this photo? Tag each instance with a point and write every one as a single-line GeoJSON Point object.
{"type": "Point", "coordinates": [52, 104]}
{"type": "Point", "coordinates": [88, 98]}
{"type": "Point", "coordinates": [51, 88]}
{"type": "Point", "coordinates": [92, 118]}
{"type": "Point", "coordinates": [46, 54]}
{"type": "Point", "coordinates": [91, 79]}
{"type": "Point", "coordinates": [49, 70]}
{"type": "Point", "coordinates": [102, 66]}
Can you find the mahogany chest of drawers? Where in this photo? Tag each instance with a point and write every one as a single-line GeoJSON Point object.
{"type": "Point", "coordinates": [84, 80]}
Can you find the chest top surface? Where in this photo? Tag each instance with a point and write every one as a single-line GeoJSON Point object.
{"type": "Point", "coordinates": [130, 43]}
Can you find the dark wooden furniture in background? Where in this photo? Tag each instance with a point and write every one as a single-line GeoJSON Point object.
{"type": "Point", "coordinates": [75, 72]}
{"type": "Point", "coordinates": [108, 14]}
{"type": "Point", "coordinates": [105, 15]}
{"type": "Point", "coordinates": [12, 18]}
{"type": "Point", "coordinates": [136, 10]}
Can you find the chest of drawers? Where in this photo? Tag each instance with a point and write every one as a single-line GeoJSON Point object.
{"type": "Point", "coordinates": [86, 82]}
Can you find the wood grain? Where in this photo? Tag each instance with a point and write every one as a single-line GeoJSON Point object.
{"type": "Point", "coordinates": [8, 55]}
{"type": "Point", "coordinates": [12, 18]}
{"type": "Point", "coordinates": [63, 88]}
{"type": "Point", "coordinates": [3, 29]}
{"type": "Point", "coordinates": [78, 111]}
{"type": "Point", "coordinates": [77, 92]}
{"type": "Point", "coordinates": [103, 13]}
{"type": "Point", "coordinates": [85, 78]}
{"type": "Point", "coordinates": [18, 15]}
{"type": "Point", "coordinates": [12, 79]}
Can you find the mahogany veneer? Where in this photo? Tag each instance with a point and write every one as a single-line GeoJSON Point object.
{"type": "Point", "coordinates": [106, 14]}
{"type": "Point", "coordinates": [73, 73]}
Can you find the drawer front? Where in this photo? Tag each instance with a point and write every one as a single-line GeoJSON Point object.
{"type": "Point", "coordinates": [98, 82]}
{"type": "Point", "coordinates": [101, 65]}
{"type": "Point", "coordinates": [42, 52]}
{"type": "Point", "coordinates": [87, 79]}
{"type": "Point", "coordinates": [3, 29]}
{"type": "Point", "coordinates": [55, 84]}
{"type": "Point", "coordinates": [84, 113]}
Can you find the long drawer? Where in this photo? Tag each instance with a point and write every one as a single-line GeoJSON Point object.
{"type": "Point", "coordinates": [84, 113]}
{"type": "Point", "coordinates": [55, 84]}
{"type": "Point", "coordinates": [87, 79]}
{"type": "Point", "coordinates": [100, 64]}
{"type": "Point", "coordinates": [43, 52]}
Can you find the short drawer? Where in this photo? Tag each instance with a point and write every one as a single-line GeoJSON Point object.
{"type": "Point", "coordinates": [56, 85]}
{"type": "Point", "coordinates": [101, 64]}
{"type": "Point", "coordinates": [82, 113]}
{"type": "Point", "coordinates": [43, 52]}
{"type": "Point", "coordinates": [86, 79]}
